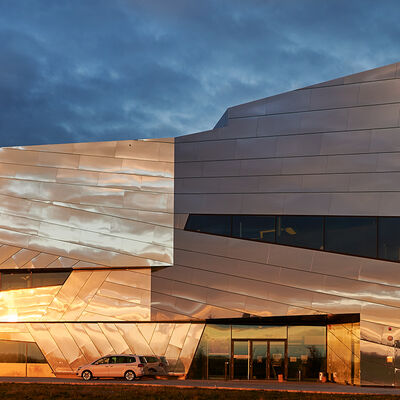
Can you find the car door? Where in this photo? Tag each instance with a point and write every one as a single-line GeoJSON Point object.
{"type": "Point", "coordinates": [101, 367]}
{"type": "Point", "coordinates": [116, 366]}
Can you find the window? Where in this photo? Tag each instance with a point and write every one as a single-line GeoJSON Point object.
{"type": "Point", "coordinates": [24, 279]}
{"type": "Point", "coordinates": [216, 224]}
{"type": "Point", "coordinates": [301, 231]}
{"type": "Point", "coordinates": [20, 352]}
{"type": "Point", "coordinates": [130, 359]}
{"type": "Point", "coordinates": [104, 360]}
{"type": "Point", "coordinates": [34, 355]}
{"type": "Point", "coordinates": [351, 235]}
{"type": "Point", "coordinates": [255, 227]}
{"type": "Point", "coordinates": [389, 238]}
{"type": "Point", "coordinates": [373, 237]}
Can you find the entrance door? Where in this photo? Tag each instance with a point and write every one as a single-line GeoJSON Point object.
{"type": "Point", "coordinates": [259, 359]}
{"type": "Point", "coordinates": [241, 359]}
{"type": "Point", "coordinates": [276, 359]}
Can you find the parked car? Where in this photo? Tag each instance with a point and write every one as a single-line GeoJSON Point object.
{"type": "Point", "coordinates": [128, 366]}
{"type": "Point", "coordinates": [154, 366]}
{"type": "Point", "coordinates": [165, 362]}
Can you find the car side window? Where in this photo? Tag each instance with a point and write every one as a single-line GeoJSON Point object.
{"type": "Point", "coordinates": [130, 359]}
{"type": "Point", "coordinates": [121, 359]}
{"type": "Point", "coordinates": [103, 360]}
{"type": "Point", "coordinates": [113, 360]}
{"type": "Point", "coordinates": [143, 360]}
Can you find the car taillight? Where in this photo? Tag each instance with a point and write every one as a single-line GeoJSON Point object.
{"type": "Point", "coordinates": [140, 365]}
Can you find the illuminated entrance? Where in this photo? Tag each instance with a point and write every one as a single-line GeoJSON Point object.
{"type": "Point", "coordinates": [259, 359]}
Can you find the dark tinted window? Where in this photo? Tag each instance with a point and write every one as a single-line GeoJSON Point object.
{"type": "Point", "coordinates": [389, 238]}
{"type": "Point", "coordinates": [11, 281]}
{"type": "Point", "coordinates": [256, 227]}
{"type": "Point", "coordinates": [12, 352]}
{"type": "Point", "coordinates": [351, 235]}
{"type": "Point", "coordinates": [130, 359]}
{"type": "Point", "coordinates": [142, 360]}
{"type": "Point", "coordinates": [22, 280]}
{"type": "Point", "coordinates": [34, 354]}
{"type": "Point", "coordinates": [301, 231]}
{"type": "Point", "coordinates": [216, 224]}
{"type": "Point", "coordinates": [49, 278]}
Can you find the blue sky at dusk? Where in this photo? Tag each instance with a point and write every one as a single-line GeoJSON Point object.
{"type": "Point", "coordinates": [91, 70]}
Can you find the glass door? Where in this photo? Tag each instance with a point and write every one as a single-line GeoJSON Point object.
{"type": "Point", "coordinates": [240, 359]}
{"type": "Point", "coordinates": [276, 359]}
{"type": "Point", "coordinates": [259, 359]}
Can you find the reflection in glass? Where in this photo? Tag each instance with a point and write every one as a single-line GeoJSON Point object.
{"type": "Point", "coordinates": [12, 352]}
{"type": "Point", "coordinates": [11, 281]}
{"type": "Point", "coordinates": [49, 278]}
{"type": "Point", "coordinates": [306, 351]}
{"type": "Point", "coordinates": [216, 224]}
{"type": "Point", "coordinates": [300, 231]}
{"type": "Point", "coordinates": [389, 238]}
{"type": "Point", "coordinates": [213, 353]}
{"type": "Point", "coordinates": [351, 235]}
{"type": "Point", "coordinates": [23, 280]}
{"type": "Point", "coordinates": [240, 359]}
{"type": "Point", "coordinates": [259, 359]}
{"type": "Point", "coordinates": [276, 359]}
{"type": "Point", "coordinates": [343, 360]}
{"type": "Point", "coordinates": [34, 355]}
{"type": "Point", "coordinates": [258, 332]}
{"type": "Point", "coordinates": [255, 227]}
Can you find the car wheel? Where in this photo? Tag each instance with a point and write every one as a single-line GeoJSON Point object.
{"type": "Point", "coordinates": [129, 376]}
{"type": "Point", "coordinates": [87, 375]}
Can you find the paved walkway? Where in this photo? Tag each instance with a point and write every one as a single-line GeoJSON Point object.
{"type": "Point", "coordinates": [310, 387]}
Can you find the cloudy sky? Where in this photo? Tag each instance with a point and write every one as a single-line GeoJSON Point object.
{"type": "Point", "coordinates": [89, 70]}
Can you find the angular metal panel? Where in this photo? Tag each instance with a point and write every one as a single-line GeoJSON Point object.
{"type": "Point", "coordinates": [371, 117]}
{"type": "Point", "coordinates": [299, 145]}
{"type": "Point", "coordinates": [324, 121]}
{"type": "Point", "coordinates": [345, 142]}
{"type": "Point", "coordinates": [115, 338]}
{"type": "Point", "coordinates": [98, 338]}
{"type": "Point", "coordinates": [134, 339]}
{"type": "Point", "coordinates": [82, 339]}
{"type": "Point", "coordinates": [334, 96]}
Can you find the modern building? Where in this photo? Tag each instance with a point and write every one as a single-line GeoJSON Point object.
{"type": "Point", "coordinates": [267, 246]}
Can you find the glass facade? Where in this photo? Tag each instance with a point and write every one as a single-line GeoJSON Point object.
{"type": "Point", "coordinates": [372, 237]}
{"type": "Point", "coordinates": [215, 224]}
{"type": "Point", "coordinates": [389, 238]}
{"type": "Point", "coordinates": [31, 279]}
{"type": "Point", "coordinates": [306, 351]}
{"type": "Point", "coordinates": [254, 227]}
{"type": "Point", "coordinates": [301, 231]}
{"type": "Point", "coordinates": [260, 352]}
{"type": "Point", "coordinates": [351, 235]}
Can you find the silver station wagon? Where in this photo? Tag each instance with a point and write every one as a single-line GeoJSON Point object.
{"type": "Point", "coordinates": [128, 366]}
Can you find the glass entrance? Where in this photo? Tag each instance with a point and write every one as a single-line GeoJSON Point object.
{"type": "Point", "coordinates": [276, 359]}
{"type": "Point", "coordinates": [259, 359]}
{"type": "Point", "coordinates": [240, 359]}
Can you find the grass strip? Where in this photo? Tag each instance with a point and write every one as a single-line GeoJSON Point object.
{"type": "Point", "coordinates": [38, 391]}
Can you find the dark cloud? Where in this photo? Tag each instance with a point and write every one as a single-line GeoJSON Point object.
{"type": "Point", "coordinates": [87, 70]}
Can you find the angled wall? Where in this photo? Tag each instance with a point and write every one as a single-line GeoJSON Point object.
{"type": "Point", "coordinates": [329, 149]}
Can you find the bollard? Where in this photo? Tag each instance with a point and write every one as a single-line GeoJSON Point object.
{"type": "Point", "coordinates": [226, 370]}
{"type": "Point", "coordinates": [280, 377]}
